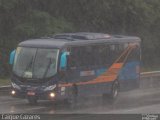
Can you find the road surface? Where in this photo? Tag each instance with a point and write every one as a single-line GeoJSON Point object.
{"type": "Point", "coordinates": [135, 101]}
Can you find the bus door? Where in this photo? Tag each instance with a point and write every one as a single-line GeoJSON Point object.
{"type": "Point", "coordinates": [81, 70]}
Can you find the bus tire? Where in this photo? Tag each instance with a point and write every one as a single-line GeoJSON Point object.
{"type": "Point", "coordinates": [114, 90]}
{"type": "Point", "coordinates": [32, 100]}
{"type": "Point", "coordinates": [112, 96]}
{"type": "Point", "coordinates": [73, 96]}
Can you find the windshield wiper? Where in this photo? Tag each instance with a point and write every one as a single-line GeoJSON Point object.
{"type": "Point", "coordinates": [46, 71]}
{"type": "Point", "coordinates": [28, 66]}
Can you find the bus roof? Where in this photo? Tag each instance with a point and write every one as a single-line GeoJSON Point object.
{"type": "Point", "coordinates": [73, 39]}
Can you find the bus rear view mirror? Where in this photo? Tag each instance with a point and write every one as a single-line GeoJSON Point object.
{"type": "Point", "coordinates": [63, 61]}
{"type": "Point", "coordinates": [12, 56]}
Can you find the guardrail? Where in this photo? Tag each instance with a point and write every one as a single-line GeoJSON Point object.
{"type": "Point", "coordinates": [148, 80]}
{"type": "Point", "coordinates": [4, 90]}
{"type": "Point", "coordinates": [150, 74]}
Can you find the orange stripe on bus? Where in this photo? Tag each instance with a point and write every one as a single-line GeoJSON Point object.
{"type": "Point", "coordinates": [99, 79]}
{"type": "Point", "coordinates": [117, 65]}
{"type": "Point", "coordinates": [108, 76]}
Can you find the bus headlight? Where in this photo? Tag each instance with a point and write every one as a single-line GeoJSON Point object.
{"type": "Point", "coordinates": [52, 95]}
{"type": "Point", "coordinates": [13, 92]}
{"type": "Point", "coordinates": [52, 87]}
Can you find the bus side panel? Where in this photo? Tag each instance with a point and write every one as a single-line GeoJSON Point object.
{"type": "Point", "coordinates": [97, 88]}
{"type": "Point", "coordinates": [129, 75]}
{"type": "Point", "coordinates": [94, 90]}
{"type": "Point", "coordinates": [84, 88]}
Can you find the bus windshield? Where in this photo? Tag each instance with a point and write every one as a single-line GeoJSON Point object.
{"type": "Point", "coordinates": [35, 63]}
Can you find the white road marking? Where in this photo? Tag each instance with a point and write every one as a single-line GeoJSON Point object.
{"type": "Point", "coordinates": [36, 108]}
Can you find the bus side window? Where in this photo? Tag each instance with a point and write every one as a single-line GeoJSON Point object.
{"type": "Point", "coordinates": [105, 55]}
{"type": "Point", "coordinates": [125, 45]}
{"type": "Point", "coordinates": [81, 56]}
{"type": "Point", "coordinates": [121, 48]}
{"type": "Point", "coordinates": [73, 60]}
{"type": "Point", "coordinates": [135, 54]}
{"type": "Point", "coordinates": [112, 52]}
{"type": "Point", "coordinates": [97, 56]}
{"type": "Point", "coordinates": [101, 55]}
{"type": "Point", "coordinates": [87, 56]}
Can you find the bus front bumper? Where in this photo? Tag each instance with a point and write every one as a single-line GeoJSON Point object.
{"type": "Point", "coordinates": [49, 95]}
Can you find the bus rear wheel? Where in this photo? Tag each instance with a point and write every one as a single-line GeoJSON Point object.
{"type": "Point", "coordinates": [114, 90]}
{"type": "Point", "coordinates": [113, 95]}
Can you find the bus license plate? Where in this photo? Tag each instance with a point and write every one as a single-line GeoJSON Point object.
{"type": "Point", "coordinates": [31, 93]}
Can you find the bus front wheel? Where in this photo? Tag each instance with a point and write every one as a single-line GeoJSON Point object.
{"type": "Point", "coordinates": [72, 100]}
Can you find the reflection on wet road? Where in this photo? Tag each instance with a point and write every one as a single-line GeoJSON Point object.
{"type": "Point", "coordinates": [136, 101]}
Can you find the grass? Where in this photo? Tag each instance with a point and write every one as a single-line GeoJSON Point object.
{"type": "Point", "coordinates": [4, 81]}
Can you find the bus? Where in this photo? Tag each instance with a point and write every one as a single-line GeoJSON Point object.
{"type": "Point", "coordinates": [71, 66]}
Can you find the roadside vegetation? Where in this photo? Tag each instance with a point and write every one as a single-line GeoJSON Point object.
{"type": "Point", "coordinates": [4, 81]}
{"type": "Point", "coordinates": [24, 19]}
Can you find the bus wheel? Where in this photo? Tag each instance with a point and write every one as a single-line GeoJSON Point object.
{"type": "Point", "coordinates": [114, 91]}
{"type": "Point", "coordinates": [73, 96]}
{"type": "Point", "coordinates": [112, 96]}
{"type": "Point", "coordinates": [32, 100]}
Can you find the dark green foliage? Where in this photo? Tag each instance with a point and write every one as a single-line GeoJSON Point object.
{"type": "Point", "coordinates": [23, 19]}
{"type": "Point", "coordinates": [39, 23]}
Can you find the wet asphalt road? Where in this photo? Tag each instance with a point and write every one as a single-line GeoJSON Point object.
{"type": "Point", "coordinates": [135, 101]}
